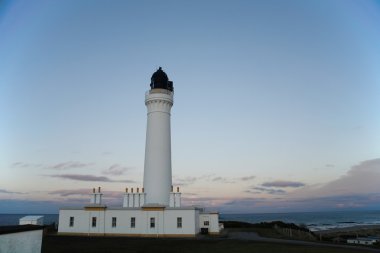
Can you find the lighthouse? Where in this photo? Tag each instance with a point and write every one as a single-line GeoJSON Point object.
{"type": "Point", "coordinates": [156, 211]}
{"type": "Point", "coordinates": [158, 164]}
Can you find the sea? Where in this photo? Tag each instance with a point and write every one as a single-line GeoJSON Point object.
{"type": "Point", "coordinates": [315, 221]}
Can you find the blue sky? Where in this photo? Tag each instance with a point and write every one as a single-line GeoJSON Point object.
{"type": "Point", "coordinates": [276, 102]}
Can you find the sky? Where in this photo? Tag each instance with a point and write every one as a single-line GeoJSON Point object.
{"type": "Point", "coordinates": [276, 102]}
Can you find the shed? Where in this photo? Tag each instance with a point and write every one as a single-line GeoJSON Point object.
{"type": "Point", "coordinates": [32, 219]}
{"type": "Point", "coordinates": [363, 240]}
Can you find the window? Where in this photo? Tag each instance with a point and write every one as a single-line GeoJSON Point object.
{"type": "Point", "coordinates": [179, 222]}
{"type": "Point", "coordinates": [133, 222]}
{"type": "Point", "coordinates": [206, 223]}
{"type": "Point", "coordinates": [113, 222]}
{"type": "Point", "coordinates": [152, 222]}
{"type": "Point", "coordinates": [93, 222]}
{"type": "Point", "coordinates": [71, 222]}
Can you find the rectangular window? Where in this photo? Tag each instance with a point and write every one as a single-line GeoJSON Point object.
{"type": "Point", "coordinates": [133, 222]}
{"type": "Point", "coordinates": [93, 222]}
{"type": "Point", "coordinates": [113, 222]}
{"type": "Point", "coordinates": [206, 223]}
{"type": "Point", "coordinates": [71, 222]}
{"type": "Point", "coordinates": [179, 222]}
{"type": "Point", "coordinates": [152, 222]}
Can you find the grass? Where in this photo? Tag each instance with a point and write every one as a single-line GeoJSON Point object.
{"type": "Point", "coordinates": [275, 229]}
{"type": "Point", "coordinates": [72, 244]}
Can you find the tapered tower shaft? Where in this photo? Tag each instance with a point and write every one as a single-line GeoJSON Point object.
{"type": "Point", "coordinates": [158, 167]}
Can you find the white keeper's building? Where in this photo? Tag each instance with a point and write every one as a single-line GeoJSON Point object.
{"type": "Point", "coordinates": [156, 210]}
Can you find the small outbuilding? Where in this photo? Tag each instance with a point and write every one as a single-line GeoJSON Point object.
{"type": "Point", "coordinates": [363, 240]}
{"type": "Point", "coordinates": [32, 220]}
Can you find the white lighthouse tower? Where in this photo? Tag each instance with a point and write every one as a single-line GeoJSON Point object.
{"type": "Point", "coordinates": [158, 164]}
{"type": "Point", "coordinates": [157, 210]}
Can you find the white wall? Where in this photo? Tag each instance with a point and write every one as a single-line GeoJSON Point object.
{"type": "Point", "coordinates": [39, 221]}
{"type": "Point", "coordinates": [213, 219]}
{"type": "Point", "coordinates": [21, 242]}
{"type": "Point", "coordinates": [34, 220]}
{"type": "Point", "coordinates": [188, 222]}
{"type": "Point", "coordinates": [165, 221]}
{"type": "Point", "coordinates": [81, 221]}
{"type": "Point", "coordinates": [123, 222]}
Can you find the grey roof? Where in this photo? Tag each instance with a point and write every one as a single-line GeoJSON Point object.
{"type": "Point", "coordinates": [32, 217]}
{"type": "Point", "coordinates": [132, 208]}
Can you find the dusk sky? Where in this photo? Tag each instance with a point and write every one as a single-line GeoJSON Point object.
{"type": "Point", "coordinates": [277, 103]}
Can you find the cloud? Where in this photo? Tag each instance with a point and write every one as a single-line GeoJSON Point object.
{"type": "Point", "coordinates": [66, 193]}
{"type": "Point", "coordinates": [57, 166]}
{"type": "Point", "coordinates": [115, 170]}
{"type": "Point", "coordinates": [222, 180]}
{"type": "Point", "coordinates": [184, 181]}
{"type": "Point", "coordinates": [80, 177]}
{"type": "Point", "coordinates": [24, 165]}
{"type": "Point", "coordinates": [68, 165]}
{"type": "Point", "coordinates": [283, 184]}
{"type": "Point", "coordinates": [111, 198]}
{"type": "Point", "coordinates": [265, 190]}
{"type": "Point", "coordinates": [248, 178]}
{"type": "Point", "coordinates": [87, 192]}
{"type": "Point", "coordinates": [10, 192]}
{"type": "Point", "coordinates": [212, 202]}
{"type": "Point", "coordinates": [362, 178]}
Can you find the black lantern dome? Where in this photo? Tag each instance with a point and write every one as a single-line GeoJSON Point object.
{"type": "Point", "coordinates": [160, 80]}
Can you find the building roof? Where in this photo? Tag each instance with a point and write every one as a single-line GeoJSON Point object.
{"type": "Point", "coordinates": [136, 208]}
{"type": "Point", "coordinates": [18, 228]}
{"type": "Point", "coordinates": [366, 239]}
{"type": "Point", "coordinates": [32, 217]}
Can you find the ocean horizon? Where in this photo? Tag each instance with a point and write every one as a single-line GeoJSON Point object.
{"type": "Point", "coordinates": [315, 221]}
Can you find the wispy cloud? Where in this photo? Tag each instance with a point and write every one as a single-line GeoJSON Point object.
{"type": "Point", "coordinates": [184, 181]}
{"type": "Point", "coordinates": [222, 180]}
{"type": "Point", "coordinates": [115, 170]}
{"type": "Point", "coordinates": [283, 184]}
{"type": "Point", "coordinates": [65, 193]}
{"type": "Point", "coordinates": [213, 202]}
{"type": "Point", "coordinates": [68, 165]}
{"type": "Point", "coordinates": [248, 178]}
{"type": "Point", "coordinates": [56, 166]}
{"type": "Point", "coordinates": [25, 165]}
{"type": "Point", "coordinates": [265, 190]}
{"type": "Point", "coordinates": [80, 177]}
{"type": "Point", "coordinates": [87, 192]}
{"type": "Point", "coordinates": [10, 192]}
{"type": "Point", "coordinates": [363, 178]}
